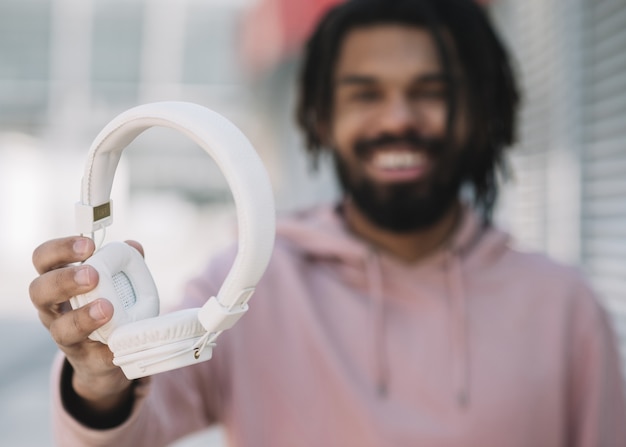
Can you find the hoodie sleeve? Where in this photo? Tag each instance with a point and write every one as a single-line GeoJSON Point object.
{"type": "Point", "coordinates": [598, 401]}
{"type": "Point", "coordinates": [167, 406]}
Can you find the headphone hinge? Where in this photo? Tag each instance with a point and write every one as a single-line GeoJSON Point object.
{"type": "Point", "coordinates": [216, 318]}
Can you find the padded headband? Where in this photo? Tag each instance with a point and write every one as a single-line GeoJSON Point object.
{"type": "Point", "coordinates": [235, 157]}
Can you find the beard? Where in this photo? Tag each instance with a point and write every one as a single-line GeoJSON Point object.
{"type": "Point", "coordinates": [410, 206]}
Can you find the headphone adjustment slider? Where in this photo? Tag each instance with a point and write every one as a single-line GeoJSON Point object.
{"type": "Point", "coordinates": [90, 218]}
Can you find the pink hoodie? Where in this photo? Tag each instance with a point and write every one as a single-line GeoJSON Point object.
{"type": "Point", "coordinates": [478, 345]}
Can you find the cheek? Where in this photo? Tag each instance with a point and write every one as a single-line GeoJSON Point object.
{"type": "Point", "coordinates": [433, 121]}
{"type": "Point", "coordinates": [345, 132]}
{"type": "Point", "coordinates": [351, 123]}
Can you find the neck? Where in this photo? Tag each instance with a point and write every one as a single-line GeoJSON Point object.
{"type": "Point", "coordinates": [407, 246]}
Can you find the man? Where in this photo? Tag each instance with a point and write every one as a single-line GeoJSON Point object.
{"type": "Point", "coordinates": [399, 316]}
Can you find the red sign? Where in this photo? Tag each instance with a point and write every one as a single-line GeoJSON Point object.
{"type": "Point", "coordinates": [274, 29]}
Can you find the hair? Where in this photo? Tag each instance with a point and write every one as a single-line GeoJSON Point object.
{"type": "Point", "coordinates": [465, 37]}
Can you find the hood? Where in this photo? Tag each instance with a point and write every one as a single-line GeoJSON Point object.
{"type": "Point", "coordinates": [322, 233]}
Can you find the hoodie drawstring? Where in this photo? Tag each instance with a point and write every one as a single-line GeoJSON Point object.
{"type": "Point", "coordinates": [459, 314]}
{"type": "Point", "coordinates": [459, 323]}
{"type": "Point", "coordinates": [377, 315]}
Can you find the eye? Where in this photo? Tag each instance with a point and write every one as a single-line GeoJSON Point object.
{"type": "Point", "coordinates": [365, 95]}
{"type": "Point", "coordinates": [433, 93]}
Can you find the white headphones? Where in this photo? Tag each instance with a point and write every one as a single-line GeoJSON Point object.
{"type": "Point", "coordinates": [142, 342]}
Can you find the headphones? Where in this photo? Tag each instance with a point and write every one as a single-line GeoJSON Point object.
{"type": "Point", "coordinates": [144, 343]}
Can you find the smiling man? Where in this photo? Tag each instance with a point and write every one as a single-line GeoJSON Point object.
{"type": "Point", "coordinates": [399, 316]}
{"type": "Point", "coordinates": [396, 158]}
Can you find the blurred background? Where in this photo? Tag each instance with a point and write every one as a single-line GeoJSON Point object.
{"type": "Point", "coordinates": [67, 67]}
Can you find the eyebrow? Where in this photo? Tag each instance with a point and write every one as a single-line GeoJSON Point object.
{"type": "Point", "coordinates": [356, 79]}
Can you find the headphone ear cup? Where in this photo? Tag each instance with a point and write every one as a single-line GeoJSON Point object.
{"type": "Point", "coordinates": [152, 333]}
{"type": "Point", "coordinates": [124, 280]}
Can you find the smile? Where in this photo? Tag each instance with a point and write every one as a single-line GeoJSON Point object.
{"type": "Point", "coordinates": [398, 160]}
{"type": "Point", "coordinates": [398, 165]}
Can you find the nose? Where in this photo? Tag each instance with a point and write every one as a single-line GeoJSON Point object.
{"type": "Point", "coordinates": [397, 116]}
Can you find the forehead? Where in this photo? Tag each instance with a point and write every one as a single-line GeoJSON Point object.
{"type": "Point", "coordinates": [388, 51]}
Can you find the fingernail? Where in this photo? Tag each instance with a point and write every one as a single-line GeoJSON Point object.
{"type": "Point", "coordinates": [95, 311]}
{"type": "Point", "coordinates": [81, 246]}
{"type": "Point", "coordinates": [81, 277]}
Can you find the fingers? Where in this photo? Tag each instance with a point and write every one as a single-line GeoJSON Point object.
{"type": "Point", "coordinates": [59, 285]}
{"type": "Point", "coordinates": [74, 327]}
{"type": "Point", "coordinates": [58, 281]}
{"type": "Point", "coordinates": [59, 252]}
{"type": "Point", "coordinates": [50, 291]}
{"type": "Point", "coordinates": [60, 278]}
{"type": "Point", "coordinates": [136, 245]}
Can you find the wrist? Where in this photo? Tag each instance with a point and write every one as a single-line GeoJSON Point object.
{"type": "Point", "coordinates": [95, 410]}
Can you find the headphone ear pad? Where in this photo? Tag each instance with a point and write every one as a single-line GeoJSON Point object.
{"type": "Point", "coordinates": [124, 280]}
{"type": "Point", "coordinates": [153, 333]}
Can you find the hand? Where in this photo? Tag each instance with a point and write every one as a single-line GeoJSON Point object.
{"type": "Point", "coordinates": [101, 385]}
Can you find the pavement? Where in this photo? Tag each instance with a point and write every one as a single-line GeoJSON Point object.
{"type": "Point", "coordinates": [26, 355]}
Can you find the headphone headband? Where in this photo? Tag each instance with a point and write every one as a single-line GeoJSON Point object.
{"type": "Point", "coordinates": [235, 157]}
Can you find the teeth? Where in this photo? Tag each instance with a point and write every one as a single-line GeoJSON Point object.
{"type": "Point", "coordinates": [399, 160]}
